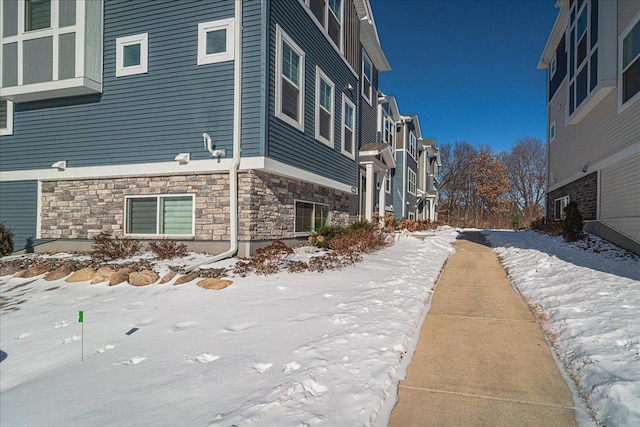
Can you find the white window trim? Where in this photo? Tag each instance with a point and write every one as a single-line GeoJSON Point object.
{"type": "Point", "coordinates": [346, 101]}
{"type": "Point", "coordinates": [553, 66]}
{"type": "Point", "coordinates": [281, 37]}
{"type": "Point", "coordinates": [553, 131]}
{"type": "Point", "coordinates": [413, 144]}
{"type": "Point", "coordinates": [323, 76]}
{"type": "Point", "coordinates": [324, 25]}
{"type": "Point", "coordinates": [392, 131]}
{"type": "Point", "coordinates": [368, 96]}
{"type": "Point", "coordinates": [121, 42]}
{"type": "Point", "coordinates": [157, 197]}
{"type": "Point", "coordinates": [203, 28]}
{"type": "Point", "coordinates": [635, 98]}
{"type": "Point", "coordinates": [564, 199]}
{"type": "Point", "coordinates": [9, 129]}
{"type": "Point", "coordinates": [306, 233]}
{"type": "Point", "coordinates": [387, 183]}
{"type": "Point", "coordinates": [412, 216]}
{"type": "Point", "coordinates": [411, 179]}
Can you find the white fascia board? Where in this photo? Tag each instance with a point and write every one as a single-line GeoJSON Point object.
{"type": "Point", "coordinates": [172, 168]}
{"type": "Point", "coordinates": [369, 35]}
{"type": "Point", "coordinates": [557, 31]}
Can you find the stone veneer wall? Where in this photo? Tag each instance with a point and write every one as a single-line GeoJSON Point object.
{"type": "Point", "coordinates": [584, 191]}
{"type": "Point", "coordinates": [80, 209]}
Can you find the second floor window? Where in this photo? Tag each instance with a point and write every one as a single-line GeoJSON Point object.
{"type": "Point", "coordinates": [324, 108]}
{"type": "Point", "coordinates": [37, 14]}
{"type": "Point", "coordinates": [389, 132]}
{"type": "Point", "coordinates": [329, 15]}
{"type": "Point", "coordinates": [132, 53]}
{"type": "Point", "coordinates": [412, 144]}
{"type": "Point", "coordinates": [349, 126]}
{"type": "Point", "coordinates": [411, 182]}
{"type": "Point", "coordinates": [367, 77]}
{"type": "Point", "coordinates": [289, 81]}
{"type": "Point", "coordinates": [631, 63]}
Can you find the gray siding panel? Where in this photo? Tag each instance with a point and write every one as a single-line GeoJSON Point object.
{"type": "Point", "coordinates": [147, 117]}
{"type": "Point", "coordinates": [18, 211]}
{"type": "Point", "coordinates": [287, 144]}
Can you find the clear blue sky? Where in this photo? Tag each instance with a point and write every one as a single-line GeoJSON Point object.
{"type": "Point", "coordinates": [468, 67]}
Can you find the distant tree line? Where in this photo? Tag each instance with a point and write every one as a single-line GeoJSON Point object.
{"type": "Point", "coordinates": [479, 188]}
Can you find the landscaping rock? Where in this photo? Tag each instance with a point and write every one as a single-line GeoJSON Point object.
{"type": "Point", "coordinates": [82, 275]}
{"type": "Point", "coordinates": [143, 278]}
{"type": "Point", "coordinates": [167, 277]}
{"type": "Point", "coordinates": [214, 283]}
{"type": "Point", "coordinates": [36, 270]}
{"type": "Point", "coordinates": [120, 276]}
{"type": "Point", "coordinates": [185, 279]}
{"type": "Point", "coordinates": [58, 273]}
{"type": "Point", "coordinates": [103, 275]}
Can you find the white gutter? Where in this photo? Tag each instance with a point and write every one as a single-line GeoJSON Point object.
{"type": "Point", "coordinates": [235, 164]}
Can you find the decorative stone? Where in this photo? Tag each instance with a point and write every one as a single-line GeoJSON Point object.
{"type": "Point", "coordinates": [58, 273]}
{"type": "Point", "coordinates": [214, 283]}
{"type": "Point", "coordinates": [36, 270]}
{"type": "Point", "coordinates": [143, 278]}
{"type": "Point", "coordinates": [167, 277]}
{"type": "Point", "coordinates": [103, 275]}
{"type": "Point", "coordinates": [185, 279]}
{"type": "Point", "coordinates": [82, 275]}
{"type": "Point", "coordinates": [120, 276]}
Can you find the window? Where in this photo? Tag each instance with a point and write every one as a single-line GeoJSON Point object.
{"type": "Point", "coordinates": [328, 13]}
{"type": "Point", "coordinates": [387, 183]}
{"type": "Point", "coordinates": [132, 55]}
{"type": "Point", "coordinates": [412, 215]}
{"type": "Point", "coordinates": [37, 14]}
{"type": "Point", "coordinates": [289, 81]}
{"type": "Point", "coordinates": [215, 41]}
{"type": "Point", "coordinates": [324, 108]}
{"type": "Point", "coordinates": [411, 183]}
{"type": "Point", "coordinates": [553, 66]}
{"type": "Point", "coordinates": [412, 144]}
{"type": "Point", "coordinates": [389, 132]}
{"type": "Point", "coordinates": [348, 126]}
{"type": "Point", "coordinates": [367, 77]}
{"type": "Point", "coordinates": [6, 117]}
{"type": "Point", "coordinates": [583, 52]}
{"type": "Point", "coordinates": [630, 63]}
{"type": "Point", "coordinates": [310, 216]}
{"type": "Point", "coordinates": [552, 131]}
{"type": "Point", "coordinates": [559, 205]}
{"type": "Point", "coordinates": [163, 215]}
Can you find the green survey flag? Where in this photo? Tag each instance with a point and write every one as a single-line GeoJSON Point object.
{"type": "Point", "coordinates": [80, 316]}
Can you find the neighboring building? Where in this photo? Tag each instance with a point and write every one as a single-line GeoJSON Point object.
{"type": "Point", "coordinates": [592, 59]}
{"type": "Point", "coordinates": [225, 124]}
{"type": "Point", "coordinates": [428, 171]}
{"type": "Point", "coordinates": [405, 175]}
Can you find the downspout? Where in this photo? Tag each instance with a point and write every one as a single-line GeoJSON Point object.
{"type": "Point", "coordinates": [235, 164]}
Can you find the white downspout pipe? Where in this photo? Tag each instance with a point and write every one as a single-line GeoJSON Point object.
{"type": "Point", "coordinates": [235, 164]}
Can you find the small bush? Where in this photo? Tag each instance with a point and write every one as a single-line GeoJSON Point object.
{"type": "Point", "coordinates": [324, 235]}
{"type": "Point", "coordinates": [545, 225]}
{"type": "Point", "coordinates": [416, 225]}
{"type": "Point", "coordinates": [107, 247]}
{"type": "Point", "coordinates": [167, 249]}
{"type": "Point", "coordinates": [6, 240]}
{"type": "Point", "coordinates": [572, 223]}
{"type": "Point", "coordinates": [298, 267]}
{"type": "Point", "coordinates": [268, 260]}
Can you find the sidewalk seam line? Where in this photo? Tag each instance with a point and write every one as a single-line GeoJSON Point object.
{"type": "Point", "coordinates": [483, 318]}
{"type": "Point", "coordinates": [487, 397]}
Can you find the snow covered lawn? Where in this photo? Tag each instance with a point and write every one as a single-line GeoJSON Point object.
{"type": "Point", "coordinates": [282, 350]}
{"type": "Point", "coordinates": [591, 301]}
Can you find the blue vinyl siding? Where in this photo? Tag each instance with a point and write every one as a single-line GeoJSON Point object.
{"type": "Point", "coordinates": [19, 210]}
{"type": "Point", "coordinates": [287, 144]}
{"type": "Point", "coordinates": [147, 117]}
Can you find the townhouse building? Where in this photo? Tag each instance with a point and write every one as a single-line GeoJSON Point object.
{"type": "Point", "coordinates": [592, 58]}
{"type": "Point", "coordinates": [428, 171]}
{"type": "Point", "coordinates": [224, 124]}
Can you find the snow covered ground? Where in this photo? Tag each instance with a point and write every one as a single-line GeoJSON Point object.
{"type": "Point", "coordinates": [282, 350]}
{"type": "Point", "coordinates": [591, 300]}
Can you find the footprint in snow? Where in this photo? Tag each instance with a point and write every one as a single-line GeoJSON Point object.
{"type": "Point", "coordinates": [327, 295]}
{"type": "Point", "coordinates": [184, 325]}
{"type": "Point", "coordinates": [261, 368]}
{"type": "Point", "coordinates": [71, 339]}
{"type": "Point", "coordinates": [133, 361]}
{"type": "Point", "coordinates": [23, 336]}
{"type": "Point", "coordinates": [105, 348]}
{"type": "Point", "coordinates": [143, 321]}
{"type": "Point", "coordinates": [205, 358]}
{"type": "Point", "coordinates": [281, 288]}
{"type": "Point", "coordinates": [240, 327]}
{"type": "Point", "coordinates": [61, 324]}
{"type": "Point", "coordinates": [290, 367]}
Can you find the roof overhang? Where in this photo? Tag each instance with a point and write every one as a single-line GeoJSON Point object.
{"type": "Point", "coordinates": [378, 151]}
{"type": "Point", "coordinates": [556, 34]}
{"type": "Point", "coordinates": [369, 35]}
{"type": "Point", "coordinates": [393, 106]}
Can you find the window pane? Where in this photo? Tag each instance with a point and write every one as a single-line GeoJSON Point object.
{"type": "Point", "coordinates": [290, 95]}
{"type": "Point", "coordinates": [631, 46]}
{"type": "Point", "coordinates": [348, 140]}
{"type": "Point", "coordinates": [322, 216]}
{"type": "Point", "coordinates": [593, 78]}
{"type": "Point", "coordinates": [3, 114]}
{"type": "Point", "coordinates": [304, 217]}
{"type": "Point", "coordinates": [631, 81]}
{"type": "Point", "coordinates": [366, 69]}
{"type": "Point", "coordinates": [131, 55]}
{"type": "Point", "coordinates": [581, 86]}
{"type": "Point", "coordinates": [325, 124]}
{"type": "Point", "coordinates": [141, 215]}
{"type": "Point", "coordinates": [582, 52]}
{"type": "Point", "coordinates": [290, 64]}
{"type": "Point", "coordinates": [348, 116]}
{"type": "Point", "coordinates": [325, 95]}
{"type": "Point", "coordinates": [176, 215]}
{"type": "Point", "coordinates": [216, 41]}
{"type": "Point", "coordinates": [581, 26]}
{"type": "Point", "coordinates": [37, 14]}
{"type": "Point", "coordinates": [317, 7]}
{"type": "Point", "coordinates": [572, 104]}
{"type": "Point", "coordinates": [334, 29]}
{"type": "Point", "coordinates": [572, 57]}
{"type": "Point", "coordinates": [594, 23]}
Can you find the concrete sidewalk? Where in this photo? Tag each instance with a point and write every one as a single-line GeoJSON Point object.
{"type": "Point", "coordinates": [481, 359]}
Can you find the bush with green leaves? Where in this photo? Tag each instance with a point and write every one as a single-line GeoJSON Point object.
{"type": "Point", "coordinates": [572, 223]}
{"type": "Point", "coordinates": [6, 240]}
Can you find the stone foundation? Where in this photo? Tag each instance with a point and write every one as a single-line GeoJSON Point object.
{"type": "Point", "coordinates": [584, 191]}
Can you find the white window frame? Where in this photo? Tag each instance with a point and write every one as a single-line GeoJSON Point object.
{"type": "Point", "coordinates": [392, 132]}
{"type": "Point", "coordinates": [282, 37]}
{"type": "Point", "coordinates": [295, 207]}
{"type": "Point", "coordinates": [320, 75]}
{"type": "Point", "coordinates": [157, 197]}
{"type": "Point", "coordinates": [387, 183]}
{"type": "Point", "coordinates": [367, 96]}
{"type": "Point", "coordinates": [411, 181]}
{"type": "Point", "coordinates": [411, 215]}
{"type": "Point", "coordinates": [624, 105]}
{"type": "Point", "coordinates": [142, 68]}
{"type": "Point", "coordinates": [324, 26]}
{"type": "Point", "coordinates": [203, 28]}
{"type": "Point", "coordinates": [346, 101]}
{"type": "Point", "coordinates": [8, 130]}
{"type": "Point", "coordinates": [413, 143]}
{"type": "Point", "coordinates": [553, 131]}
{"type": "Point", "coordinates": [553, 66]}
{"type": "Point", "coordinates": [564, 201]}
